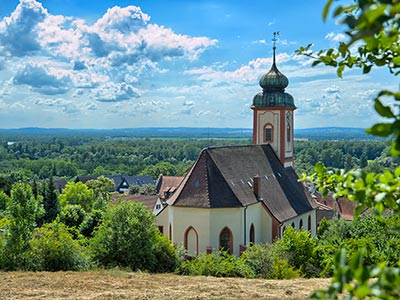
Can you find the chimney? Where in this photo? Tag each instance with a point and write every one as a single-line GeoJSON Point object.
{"type": "Point", "coordinates": [257, 186]}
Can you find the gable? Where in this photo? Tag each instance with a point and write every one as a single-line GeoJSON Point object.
{"type": "Point", "coordinates": [223, 177]}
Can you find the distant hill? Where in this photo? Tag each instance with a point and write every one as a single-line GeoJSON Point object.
{"type": "Point", "coordinates": [325, 133]}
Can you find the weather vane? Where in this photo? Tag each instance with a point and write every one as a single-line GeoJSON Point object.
{"type": "Point", "coordinates": [275, 39]}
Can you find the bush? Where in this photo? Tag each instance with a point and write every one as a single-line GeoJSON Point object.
{"type": "Point", "coordinates": [259, 258]}
{"type": "Point", "coordinates": [219, 264]}
{"type": "Point", "coordinates": [282, 270]}
{"type": "Point", "coordinates": [128, 238]}
{"type": "Point", "coordinates": [298, 248]}
{"type": "Point", "coordinates": [54, 249]}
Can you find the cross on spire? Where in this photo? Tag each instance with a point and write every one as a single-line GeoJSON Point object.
{"type": "Point", "coordinates": [275, 39]}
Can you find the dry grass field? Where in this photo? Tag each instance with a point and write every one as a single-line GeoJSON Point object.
{"type": "Point", "coordinates": [113, 285]}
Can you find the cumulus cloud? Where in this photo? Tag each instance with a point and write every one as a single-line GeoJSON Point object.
{"type": "Point", "coordinates": [18, 33]}
{"type": "Point", "coordinates": [41, 81]}
{"type": "Point", "coordinates": [116, 92]}
{"type": "Point", "coordinates": [99, 56]}
{"type": "Point", "coordinates": [147, 107]}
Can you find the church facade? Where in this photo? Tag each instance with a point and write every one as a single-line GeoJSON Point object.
{"type": "Point", "coordinates": [237, 195]}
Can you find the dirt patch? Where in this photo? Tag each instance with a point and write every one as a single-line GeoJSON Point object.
{"type": "Point", "coordinates": [113, 285]}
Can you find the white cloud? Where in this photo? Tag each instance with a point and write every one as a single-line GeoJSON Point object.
{"type": "Point", "coordinates": [18, 33]}
{"type": "Point", "coordinates": [336, 37]}
{"type": "Point", "coordinates": [116, 92]}
{"type": "Point", "coordinates": [40, 80]}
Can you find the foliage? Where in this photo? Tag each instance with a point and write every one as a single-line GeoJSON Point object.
{"type": "Point", "coordinates": [281, 269]}
{"type": "Point", "coordinates": [90, 223]}
{"type": "Point", "coordinates": [3, 200]}
{"type": "Point", "coordinates": [369, 190]}
{"type": "Point", "coordinates": [54, 249]}
{"type": "Point", "coordinates": [72, 215]}
{"type": "Point", "coordinates": [221, 264]}
{"type": "Point", "coordinates": [127, 237]}
{"type": "Point", "coordinates": [260, 258]}
{"type": "Point", "coordinates": [134, 189]}
{"type": "Point", "coordinates": [297, 247]}
{"type": "Point", "coordinates": [164, 168]}
{"type": "Point", "coordinates": [147, 189]}
{"type": "Point", "coordinates": [372, 27]}
{"type": "Point", "coordinates": [50, 202]}
{"type": "Point", "coordinates": [78, 193]}
{"type": "Point", "coordinates": [21, 211]}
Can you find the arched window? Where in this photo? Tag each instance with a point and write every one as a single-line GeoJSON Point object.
{"type": "Point", "coordinates": [226, 240]}
{"type": "Point", "coordinates": [293, 225]}
{"type": "Point", "coordinates": [268, 133]}
{"type": "Point", "coordinates": [301, 224]}
{"type": "Point", "coordinates": [252, 234]}
{"type": "Point", "coordinates": [170, 232]}
{"type": "Point", "coordinates": [191, 241]}
{"type": "Point", "coordinates": [309, 223]}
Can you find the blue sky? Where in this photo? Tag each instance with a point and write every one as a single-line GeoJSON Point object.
{"type": "Point", "coordinates": [159, 63]}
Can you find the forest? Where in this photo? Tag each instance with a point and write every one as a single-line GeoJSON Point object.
{"type": "Point", "coordinates": [42, 157]}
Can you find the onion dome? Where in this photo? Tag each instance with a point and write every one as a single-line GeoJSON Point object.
{"type": "Point", "coordinates": [273, 84]}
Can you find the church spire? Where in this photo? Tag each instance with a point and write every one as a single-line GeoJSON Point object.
{"type": "Point", "coordinates": [275, 39]}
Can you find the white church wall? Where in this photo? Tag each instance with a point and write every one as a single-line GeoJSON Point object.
{"type": "Point", "coordinates": [304, 218]}
{"type": "Point", "coordinates": [262, 222]}
{"type": "Point", "coordinates": [183, 218]}
{"type": "Point", "coordinates": [226, 217]}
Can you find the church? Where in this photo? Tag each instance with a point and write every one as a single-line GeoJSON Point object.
{"type": "Point", "coordinates": [238, 195]}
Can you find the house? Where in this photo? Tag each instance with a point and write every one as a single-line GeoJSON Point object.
{"type": "Point", "coordinates": [121, 182]}
{"type": "Point", "coordinates": [167, 185]}
{"type": "Point", "coordinates": [238, 195]}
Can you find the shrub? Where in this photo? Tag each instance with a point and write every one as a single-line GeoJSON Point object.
{"type": "Point", "coordinates": [54, 249]}
{"type": "Point", "coordinates": [282, 270]}
{"type": "Point", "coordinates": [298, 247]}
{"type": "Point", "coordinates": [72, 215]}
{"type": "Point", "coordinates": [219, 264]}
{"type": "Point", "coordinates": [259, 258]}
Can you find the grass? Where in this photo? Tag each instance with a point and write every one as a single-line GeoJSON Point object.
{"type": "Point", "coordinates": [117, 284]}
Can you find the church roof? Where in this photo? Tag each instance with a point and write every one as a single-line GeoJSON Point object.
{"type": "Point", "coordinates": [223, 177]}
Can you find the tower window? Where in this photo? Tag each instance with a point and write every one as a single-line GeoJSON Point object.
{"type": "Point", "coordinates": [288, 133]}
{"type": "Point", "coordinates": [268, 133]}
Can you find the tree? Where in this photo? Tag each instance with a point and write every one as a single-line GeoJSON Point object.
{"type": "Point", "coordinates": [50, 202]}
{"type": "Point", "coordinates": [54, 249]}
{"type": "Point", "coordinates": [374, 26]}
{"type": "Point", "coordinates": [78, 193]}
{"type": "Point", "coordinates": [21, 210]}
{"type": "Point", "coordinates": [128, 237]}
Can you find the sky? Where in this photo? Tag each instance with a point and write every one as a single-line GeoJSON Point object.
{"type": "Point", "coordinates": [170, 63]}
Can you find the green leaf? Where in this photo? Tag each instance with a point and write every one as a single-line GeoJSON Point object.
{"type": "Point", "coordinates": [326, 9]}
{"type": "Point", "coordinates": [381, 129]}
{"type": "Point", "coordinates": [384, 111]}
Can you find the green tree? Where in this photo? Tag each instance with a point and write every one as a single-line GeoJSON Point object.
{"type": "Point", "coordinates": [50, 202]}
{"type": "Point", "coordinates": [164, 168]}
{"type": "Point", "coordinates": [78, 193]}
{"type": "Point", "coordinates": [54, 249]}
{"type": "Point", "coordinates": [21, 210]}
{"type": "Point", "coordinates": [127, 237]}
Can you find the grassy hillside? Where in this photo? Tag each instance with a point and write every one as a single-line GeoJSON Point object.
{"type": "Point", "coordinates": [113, 285]}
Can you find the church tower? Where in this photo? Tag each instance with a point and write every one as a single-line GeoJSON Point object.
{"type": "Point", "coordinates": [273, 113]}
